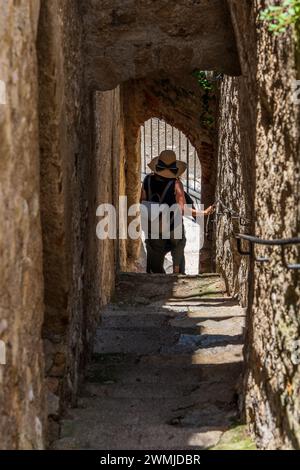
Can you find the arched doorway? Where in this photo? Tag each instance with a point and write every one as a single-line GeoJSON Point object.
{"type": "Point", "coordinates": [157, 135]}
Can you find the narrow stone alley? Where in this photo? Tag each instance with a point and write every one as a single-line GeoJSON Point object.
{"type": "Point", "coordinates": [95, 95]}
{"type": "Point", "coordinates": [166, 369]}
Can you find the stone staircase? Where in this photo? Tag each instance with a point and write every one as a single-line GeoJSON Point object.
{"type": "Point", "coordinates": [166, 367]}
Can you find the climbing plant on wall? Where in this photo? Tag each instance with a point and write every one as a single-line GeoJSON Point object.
{"type": "Point", "coordinates": [208, 88]}
{"type": "Point", "coordinates": [280, 17]}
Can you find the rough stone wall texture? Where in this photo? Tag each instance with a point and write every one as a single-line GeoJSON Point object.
{"type": "Point", "coordinates": [134, 39]}
{"type": "Point", "coordinates": [180, 103]}
{"type": "Point", "coordinates": [106, 182]}
{"type": "Point", "coordinates": [82, 153]}
{"type": "Point", "coordinates": [236, 153]}
{"type": "Point", "coordinates": [235, 179]}
{"type": "Point", "coordinates": [272, 381]}
{"type": "Point", "coordinates": [22, 410]}
{"type": "Point", "coordinates": [65, 143]}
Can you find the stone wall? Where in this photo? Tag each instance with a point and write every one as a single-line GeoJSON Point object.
{"type": "Point", "coordinates": [22, 406]}
{"type": "Point", "coordinates": [65, 152]}
{"type": "Point", "coordinates": [273, 380]}
{"type": "Point", "coordinates": [63, 157]}
{"type": "Point", "coordinates": [82, 153]}
{"type": "Point", "coordinates": [106, 184]}
{"type": "Point", "coordinates": [235, 184]}
{"type": "Point", "coordinates": [259, 153]}
{"type": "Point", "coordinates": [127, 40]}
{"type": "Point", "coordinates": [236, 154]}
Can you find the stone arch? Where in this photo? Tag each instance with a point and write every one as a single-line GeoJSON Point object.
{"type": "Point", "coordinates": [170, 137]}
{"type": "Point", "coordinates": [132, 40]}
{"type": "Point", "coordinates": [180, 104]}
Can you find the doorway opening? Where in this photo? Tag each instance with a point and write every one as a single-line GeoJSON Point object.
{"type": "Point", "coordinates": [158, 135]}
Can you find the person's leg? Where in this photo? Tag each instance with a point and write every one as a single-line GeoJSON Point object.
{"type": "Point", "coordinates": [148, 268]}
{"type": "Point", "coordinates": [177, 251]}
{"type": "Point", "coordinates": [182, 265]}
{"type": "Point", "coordinates": [156, 250]}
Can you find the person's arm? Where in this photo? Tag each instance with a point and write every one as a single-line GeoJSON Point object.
{"type": "Point", "coordinates": [143, 195]}
{"type": "Point", "coordinates": [180, 199]}
{"type": "Point", "coordinates": [179, 194]}
{"type": "Point", "coordinates": [143, 191]}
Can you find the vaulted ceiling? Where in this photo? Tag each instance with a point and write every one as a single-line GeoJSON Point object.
{"type": "Point", "coordinates": [128, 39]}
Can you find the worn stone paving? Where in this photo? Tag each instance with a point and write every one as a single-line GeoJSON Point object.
{"type": "Point", "coordinates": [166, 368]}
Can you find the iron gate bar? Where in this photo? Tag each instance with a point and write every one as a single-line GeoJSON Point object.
{"type": "Point", "coordinates": [145, 166]}
{"type": "Point", "coordinates": [194, 170]}
{"type": "Point", "coordinates": [166, 137]}
{"type": "Point", "coordinates": [179, 145]}
{"type": "Point", "coordinates": [151, 137]}
{"type": "Point", "coordinates": [172, 138]}
{"type": "Point", "coordinates": [188, 165]}
{"type": "Point", "coordinates": [148, 134]}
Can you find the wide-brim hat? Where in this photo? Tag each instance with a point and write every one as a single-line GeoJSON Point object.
{"type": "Point", "coordinates": [166, 165]}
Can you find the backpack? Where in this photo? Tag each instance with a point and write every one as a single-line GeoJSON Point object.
{"type": "Point", "coordinates": [152, 210]}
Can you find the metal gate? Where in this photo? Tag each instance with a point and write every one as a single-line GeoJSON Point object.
{"type": "Point", "coordinates": [157, 135]}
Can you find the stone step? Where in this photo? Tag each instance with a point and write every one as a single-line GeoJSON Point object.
{"type": "Point", "coordinates": [210, 390]}
{"type": "Point", "coordinates": [134, 341]}
{"type": "Point", "coordinates": [194, 302]}
{"type": "Point", "coordinates": [93, 434]}
{"type": "Point", "coordinates": [216, 355]}
{"type": "Point", "coordinates": [164, 341]}
{"type": "Point", "coordinates": [141, 288]}
{"type": "Point", "coordinates": [141, 372]}
{"type": "Point", "coordinates": [156, 412]}
{"type": "Point", "coordinates": [167, 364]}
{"type": "Point", "coordinates": [210, 309]}
{"type": "Point", "coordinates": [141, 320]}
{"type": "Point", "coordinates": [181, 323]}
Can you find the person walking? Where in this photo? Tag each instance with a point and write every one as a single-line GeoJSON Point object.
{"type": "Point", "coordinates": [163, 186]}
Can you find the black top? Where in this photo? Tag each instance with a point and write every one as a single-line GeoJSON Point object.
{"type": "Point", "coordinates": [158, 185]}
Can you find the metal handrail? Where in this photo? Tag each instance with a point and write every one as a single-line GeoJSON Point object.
{"type": "Point", "coordinates": [283, 243]}
{"type": "Point", "coordinates": [261, 241]}
{"type": "Point", "coordinates": [253, 240]}
{"type": "Point", "coordinates": [227, 210]}
{"type": "Point", "coordinates": [244, 221]}
{"type": "Point", "coordinates": [208, 231]}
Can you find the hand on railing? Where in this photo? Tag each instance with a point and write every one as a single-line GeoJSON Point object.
{"type": "Point", "coordinates": [210, 210]}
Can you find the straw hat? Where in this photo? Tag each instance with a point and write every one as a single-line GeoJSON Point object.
{"type": "Point", "coordinates": [166, 165]}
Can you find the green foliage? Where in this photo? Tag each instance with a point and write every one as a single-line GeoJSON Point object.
{"type": "Point", "coordinates": [236, 438]}
{"type": "Point", "coordinates": [280, 17]}
{"type": "Point", "coordinates": [208, 88]}
{"type": "Point", "coordinates": [203, 80]}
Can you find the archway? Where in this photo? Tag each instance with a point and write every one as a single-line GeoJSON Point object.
{"type": "Point", "coordinates": [158, 135]}
{"type": "Point", "coordinates": [180, 104]}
